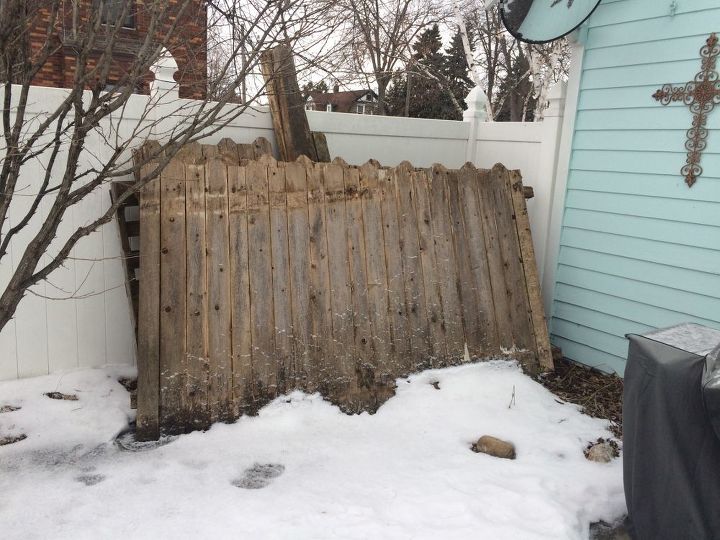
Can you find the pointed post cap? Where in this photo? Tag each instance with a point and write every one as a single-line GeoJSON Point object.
{"type": "Point", "coordinates": [476, 101]}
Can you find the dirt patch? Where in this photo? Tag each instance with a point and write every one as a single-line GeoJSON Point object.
{"type": "Point", "coordinates": [8, 408]}
{"type": "Point", "coordinates": [599, 394]}
{"type": "Point", "coordinates": [129, 384]}
{"type": "Point", "coordinates": [259, 475]}
{"type": "Point", "coordinates": [60, 395]}
{"type": "Point", "coordinates": [10, 439]}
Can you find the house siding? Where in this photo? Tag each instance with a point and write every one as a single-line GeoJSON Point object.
{"type": "Point", "coordinates": [638, 248]}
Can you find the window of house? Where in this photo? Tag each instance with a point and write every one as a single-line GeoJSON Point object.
{"type": "Point", "coordinates": [328, 107]}
{"type": "Point", "coordinates": [360, 108]}
{"type": "Point", "coordinates": [310, 106]}
{"type": "Point", "coordinates": [113, 9]}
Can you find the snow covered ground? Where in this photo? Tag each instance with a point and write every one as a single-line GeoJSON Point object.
{"type": "Point", "coordinates": [405, 472]}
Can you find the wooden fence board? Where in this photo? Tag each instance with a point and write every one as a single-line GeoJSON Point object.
{"type": "Point", "coordinates": [148, 420]}
{"type": "Point", "coordinates": [376, 270]}
{"type": "Point", "coordinates": [281, 291]}
{"type": "Point", "coordinates": [218, 287]}
{"type": "Point", "coordinates": [397, 305]}
{"type": "Point", "coordinates": [299, 262]}
{"type": "Point", "coordinates": [421, 349]}
{"type": "Point", "coordinates": [540, 329]}
{"type": "Point", "coordinates": [173, 362]}
{"type": "Point", "coordinates": [264, 367]}
{"type": "Point", "coordinates": [467, 291]}
{"type": "Point", "coordinates": [343, 345]}
{"type": "Point", "coordinates": [261, 277]}
{"type": "Point", "coordinates": [516, 292]}
{"type": "Point", "coordinates": [196, 288]}
{"type": "Point", "coordinates": [430, 270]}
{"type": "Point", "coordinates": [241, 341]}
{"type": "Point", "coordinates": [470, 181]}
{"type": "Point", "coordinates": [321, 345]}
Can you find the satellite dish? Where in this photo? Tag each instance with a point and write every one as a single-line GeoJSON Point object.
{"type": "Point", "coordinates": [540, 21]}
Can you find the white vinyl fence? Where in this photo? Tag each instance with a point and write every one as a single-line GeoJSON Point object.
{"type": "Point", "coordinates": [81, 316]}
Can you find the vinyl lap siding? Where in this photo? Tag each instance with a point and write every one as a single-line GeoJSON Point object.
{"type": "Point", "coordinates": [638, 249]}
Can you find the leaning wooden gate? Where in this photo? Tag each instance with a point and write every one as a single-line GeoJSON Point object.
{"type": "Point", "coordinates": [258, 277]}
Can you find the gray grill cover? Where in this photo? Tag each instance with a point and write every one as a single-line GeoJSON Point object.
{"type": "Point", "coordinates": [671, 434]}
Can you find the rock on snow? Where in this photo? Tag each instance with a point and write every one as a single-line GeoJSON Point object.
{"type": "Point", "coordinates": [313, 472]}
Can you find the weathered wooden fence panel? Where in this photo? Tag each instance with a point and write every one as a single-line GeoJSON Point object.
{"type": "Point", "coordinates": [259, 277]}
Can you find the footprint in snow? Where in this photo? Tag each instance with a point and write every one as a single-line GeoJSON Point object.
{"type": "Point", "coordinates": [259, 475]}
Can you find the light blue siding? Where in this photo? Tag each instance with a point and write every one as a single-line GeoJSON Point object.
{"type": "Point", "coordinates": [638, 248]}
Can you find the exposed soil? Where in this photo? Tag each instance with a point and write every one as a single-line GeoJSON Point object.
{"type": "Point", "coordinates": [10, 439]}
{"type": "Point", "coordinates": [8, 408]}
{"type": "Point", "coordinates": [60, 395]}
{"type": "Point", "coordinates": [599, 394]}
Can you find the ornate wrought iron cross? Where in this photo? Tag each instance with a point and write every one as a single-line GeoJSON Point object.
{"type": "Point", "coordinates": [701, 95]}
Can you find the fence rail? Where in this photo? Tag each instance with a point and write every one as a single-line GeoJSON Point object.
{"type": "Point", "coordinates": [258, 277]}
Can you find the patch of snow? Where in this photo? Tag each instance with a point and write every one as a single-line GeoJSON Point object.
{"type": "Point", "coordinates": [405, 472]}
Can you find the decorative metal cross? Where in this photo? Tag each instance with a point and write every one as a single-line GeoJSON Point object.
{"type": "Point", "coordinates": [701, 95]}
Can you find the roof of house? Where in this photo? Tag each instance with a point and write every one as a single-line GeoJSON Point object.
{"type": "Point", "coordinates": [341, 101]}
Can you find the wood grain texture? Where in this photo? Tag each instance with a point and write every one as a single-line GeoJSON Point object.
{"type": "Point", "coordinates": [198, 368]}
{"type": "Point", "coordinates": [148, 400]}
{"type": "Point", "coordinates": [173, 360]}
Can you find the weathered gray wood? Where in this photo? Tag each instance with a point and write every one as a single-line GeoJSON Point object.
{"type": "Point", "coordinates": [264, 378]}
{"type": "Point", "coordinates": [365, 361]}
{"type": "Point", "coordinates": [322, 152]}
{"type": "Point", "coordinates": [529, 265]}
{"type": "Point", "coordinates": [448, 276]}
{"type": "Point", "coordinates": [515, 289]}
{"type": "Point", "coordinates": [470, 179]}
{"type": "Point", "coordinates": [299, 266]}
{"type": "Point", "coordinates": [196, 288]}
{"type": "Point", "coordinates": [173, 361]}
{"type": "Point", "coordinates": [218, 286]}
{"type": "Point", "coordinates": [287, 107]}
{"type": "Point", "coordinates": [386, 364]}
{"type": "Point", "coordinates": [495, 262]}
{"type": "Point", "coordinates": [343, 345]}
{"type": "Point", "coordinates": [468, 294]}
{"type": "Point", "coordinates": [239, 277]}
{"type": "Point", "coordinates": [430, 271]}
{"type": "Point", "coordinates": [148, 398]}
{"type": "Point", "coordinates": [421, 348]}
{"type": "Point", "coordinates": [397, 304]}
{"type": "Point", "coordinates": [281, 278]}
{"type": "Point", "coordinates": [321, 347]}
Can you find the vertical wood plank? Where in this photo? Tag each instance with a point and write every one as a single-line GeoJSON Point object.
{"type": "Point", "coordinates": [397, 303]}
{"type": "Point", "coordinates": [321, 349]}
{"type": "Point", "coordinates": [280, 277]}
{"type": "Point", "coordinates": [442, 234]}
{"type": "Point", "coordinates": [467, 291]}
{"type": "Point", "coordinates": [377, 293]}
{"type": "Point", "coordinates": [514, 278]}
{"type": "Point", "coordinates": [343, 345]}
{"type": "Point", "coordinates": [264, 378]}
{"type": "Point", "coordinates": [299, 263]}
{"type": "Point", "coordinates": [241, 340]}
{"type": "Point", "coordinates": [196, 290]}
{"type": "Point", "coordinates": [495, 262]}
{"type": "Point", "coordinates": [148, 399]}
{"type": "Point", "coordinates": [430, 271]}
{"type": "Point", "coordinates": [173, 362]}
{"type": "Point", "coordinates": [412, 269]}
{"type": "Point", "coordinates": [365, 361]}
{"type": "Point", "coordinates": [470, 179]}
{"type": "Point", "coordinates": [539, 324]}
{"type": "Point", "coordinates": [218, 286]}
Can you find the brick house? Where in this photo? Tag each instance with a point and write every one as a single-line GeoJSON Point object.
{"type": "Point", "coordinates": [188, 47]}
{"type": "Point", "coordinates": [350, 101]}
